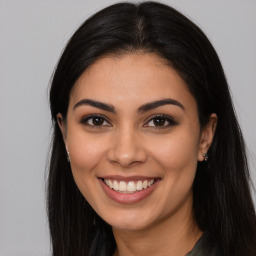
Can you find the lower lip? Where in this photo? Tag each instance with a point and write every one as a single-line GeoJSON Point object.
{"type": "Point", "coordinates": [128, 198]}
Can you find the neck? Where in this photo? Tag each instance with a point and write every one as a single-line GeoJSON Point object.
{"type": "Point", "coordinates": [173, 236]}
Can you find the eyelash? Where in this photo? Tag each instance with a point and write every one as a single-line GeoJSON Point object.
{"type": "Point", "coordinates": [86, 119]}
{"type": "Point", "coordinates": [162, 117]}
{"type": "Point", "coordinates": [165, 118]}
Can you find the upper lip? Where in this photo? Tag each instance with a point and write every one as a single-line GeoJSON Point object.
{"type": "Point", "coordinates": [128, 178]}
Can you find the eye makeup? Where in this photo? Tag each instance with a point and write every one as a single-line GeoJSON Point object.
{"type": "Point", "coordinates": [160, 121]}
{"type": "Point", "coordinates": [95, 121]}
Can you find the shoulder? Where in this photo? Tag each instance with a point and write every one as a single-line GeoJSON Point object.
{"type": "Point", "coordinates": [205, 246]}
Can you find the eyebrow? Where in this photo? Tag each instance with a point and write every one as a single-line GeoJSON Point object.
{"type": "Point", "coordinates": [155, 104]}
{"type": "Point", "coordinates": [97, 104]}
{"type": "Point", "coordinates": [142, 109]}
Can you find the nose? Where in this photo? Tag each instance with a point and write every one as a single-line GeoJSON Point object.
{"type": "Point", "coordinates": [127, 148]}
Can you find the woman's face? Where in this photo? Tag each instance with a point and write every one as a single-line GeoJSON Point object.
{"type": "Point", "coordinates": [134, 140]}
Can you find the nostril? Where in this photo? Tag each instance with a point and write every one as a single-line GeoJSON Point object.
{"type": "Point", "coordinates": [127, 156]}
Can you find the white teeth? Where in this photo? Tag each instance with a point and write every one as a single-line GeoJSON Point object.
{"type": "Point", "coordinates": [145, 184]}
{"type": "Point", "coordinates": [130, 187]}
{"type": "Point", "coordinates": [122, 186]}
{"type": "Point", "coordinates": [139, 185]}
{"type": "Point", "coordinates": [115, 185]}
{"type": "Point", "coordinates": [110, 184]}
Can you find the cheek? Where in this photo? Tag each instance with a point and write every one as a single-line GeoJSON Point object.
{"type": "Point", "coordinates": [178, 160]}
{"type": "Point", "coordinates": [86, 152]}
{"type": "Point", "coordinates": [177, 152]}
{"type": "Point", "coordinates": [83, 156]}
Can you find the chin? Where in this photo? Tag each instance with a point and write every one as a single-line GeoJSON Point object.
{"type": "Point", "coordinates": [130, 226]}
{"type": "Point", "coordinates": [129, 222]}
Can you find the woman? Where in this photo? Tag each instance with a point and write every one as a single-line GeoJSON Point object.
{"type": "Point", "coordinates": [147, 155]}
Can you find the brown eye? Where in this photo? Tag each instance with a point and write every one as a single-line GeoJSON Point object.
{"type": "Point", "coordinates": [161, 121]}
{"type": "Point", "coordinates": [95, 121]}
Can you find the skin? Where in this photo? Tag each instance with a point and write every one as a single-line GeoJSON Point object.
{"type": "Point", "coordinates": [128, 143]}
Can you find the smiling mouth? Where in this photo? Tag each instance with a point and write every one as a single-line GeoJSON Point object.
{"type": "Point", "coordinates": [129, 186]}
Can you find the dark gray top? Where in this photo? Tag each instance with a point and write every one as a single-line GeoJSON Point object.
{"type": "Point", "coordinates": [204, 247]}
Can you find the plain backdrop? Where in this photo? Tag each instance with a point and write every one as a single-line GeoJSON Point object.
{"type": "Point", "coordinates": [32, 36]}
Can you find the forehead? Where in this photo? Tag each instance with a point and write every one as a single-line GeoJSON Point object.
{"type": "Point", "coordinates": [130, 79]}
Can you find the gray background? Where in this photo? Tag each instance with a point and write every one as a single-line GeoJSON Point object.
{"type": "Point", "coordinates": [32, 36]}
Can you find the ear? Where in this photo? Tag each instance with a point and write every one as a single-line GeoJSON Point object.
{"type": "Point", "coordinates": [62, 127]}
{"type": "Point", "coordinates": [207, 135]}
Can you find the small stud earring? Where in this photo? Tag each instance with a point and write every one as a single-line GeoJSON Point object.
{"type": "Point", "coordinates": [68, 157]}
{"type": "Point", "coordinates": [205, 157]}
